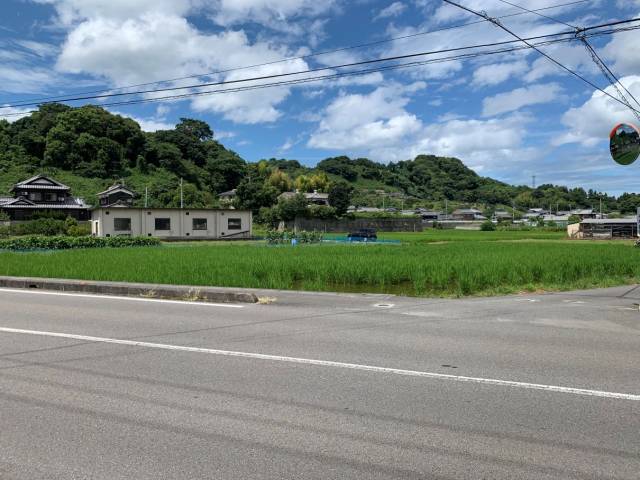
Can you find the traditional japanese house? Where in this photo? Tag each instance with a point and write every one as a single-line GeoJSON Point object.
{"type": "Point", "coordinates": [117, 196]}
{"type": "Point", "coordinates": [43, 194]}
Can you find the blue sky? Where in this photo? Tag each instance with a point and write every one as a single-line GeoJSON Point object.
{"type": "Point", "coordinates": [509, 116]}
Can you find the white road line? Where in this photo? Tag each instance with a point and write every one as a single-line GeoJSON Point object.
{"type": "Point", "coordinates": [327, 363]}
{"type": "Point", "coordinates": [116, 297]}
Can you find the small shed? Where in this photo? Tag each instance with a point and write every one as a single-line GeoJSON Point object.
{"type": "Point", "coordinates": [608, 228]}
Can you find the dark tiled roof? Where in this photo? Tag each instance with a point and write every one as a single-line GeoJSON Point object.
{"type": "Point", "coordinates": [29, 183]}
{"type": "Point", "coordinates": [115, 188]}
{"type": "Point", "coordinates": [18, 203]}
{"type": "Point", "coordinates": [47, 206]}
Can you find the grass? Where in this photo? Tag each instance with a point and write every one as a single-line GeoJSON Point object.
{"type": "Point", "coordinates": [420, 267]}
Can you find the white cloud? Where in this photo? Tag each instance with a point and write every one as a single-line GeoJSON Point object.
{"type": "Point", "coordinates": [394, 10]}
{"type": "Point", "coordinates": [73, 11]}
{"type": "Point", "coordinates": [493, 144]}
{"type": "Point", "coordinates": [160, 44]}
{"type": "Point", "coordinates": [590, 123]}
{"type": "Point", "coordinates": [273, 13]}
{"type": "Point", "coordinates": [519, 98]}
{"type": "Point", "coordinates": [367, 122]}
{"type": "Point", "coordinates": [622, 49]}
{"type": "Point", "coordinates": [496, 73]}
{"type": "Point", "coordinates": [148, 124]}
{"type": "Point", "coordinates": [11, 114]}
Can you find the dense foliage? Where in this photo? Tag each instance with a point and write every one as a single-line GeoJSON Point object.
{"type": "Point", "coordinates": [46, 226]}
{"type": "Point", "coordinates": [69, 243]}
{"type": "Point", "coordinates": [90, 148]}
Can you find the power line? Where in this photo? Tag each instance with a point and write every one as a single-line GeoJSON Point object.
{"type": "Point", "coordinates": [313, 70]}
{"type": "Point", "coordinates": [338, 75]}
{"type": "Point", "coordinates": [312, 55]}
{"type": "Point", "coordinates": [564, 67]}
{"type": "Point", "coordinates": [606, 71]}
{"type": "Point", "coordinates": [610, 76]}
{"type": "Point", "coordinates": [538, 13]}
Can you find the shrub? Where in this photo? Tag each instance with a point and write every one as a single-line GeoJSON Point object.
{"type": "Point", "coordinates": [79, 231]}
{"type": "Point", "coordinates": [279, 237]}
{"type": "Point", "coordinates": [487, 226]}
{"type": "Point", "coordinates": [4, 217]}
{"type": "Point", "coordinates": [39, 242]}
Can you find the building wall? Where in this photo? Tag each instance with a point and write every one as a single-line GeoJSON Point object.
{"type": "Point", "coordinates": [143, 222]}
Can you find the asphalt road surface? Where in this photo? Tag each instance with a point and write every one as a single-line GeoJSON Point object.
{"type": "Point", "coordinates": [321, 386]}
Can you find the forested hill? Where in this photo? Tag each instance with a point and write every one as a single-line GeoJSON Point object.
{"type": "Point", "coordinates": [89, 148]}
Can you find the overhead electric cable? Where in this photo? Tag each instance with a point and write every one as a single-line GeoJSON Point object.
{"type": "Point", "coordinates": [525, 41]}
{"type": "Point", "coordinates": [313, 70]}
{"type": "Point", "coordinates": [312, 55]}
{"type": "Point", "coordinates": [537, 12]}
{"type": "Point", "coordinates": [464, 56]}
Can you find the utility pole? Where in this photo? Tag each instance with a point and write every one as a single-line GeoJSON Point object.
{"type": "Point", "coordinates": [181, 196]}
{"type": "Point", "coordinates": [513, 211]}
{"type": "Point", "coordinates": [146, 197]}
{"type": "Point", "coordinates": [446, 208]}
{"type": "Point", "coordinates": [533, 182]}
{"type": "Point", "coordinates": [600, 208]}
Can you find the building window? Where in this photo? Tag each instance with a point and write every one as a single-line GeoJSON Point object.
{"type": "Point", "coordinates": [50, 197]}
{"type": "Point", "coordinates": [163, 224]}
{"type": "Point", "coordinates": [35, 197]}
{"type": "Point", "coordinates": [234, 224]}
{"type": "Point", "coordinates": [122, 224]}
{"type": "Point", "coordinates": [199, 224]}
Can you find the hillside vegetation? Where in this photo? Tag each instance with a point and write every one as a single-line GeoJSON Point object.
{"type": "Point", "coordinates": [89, 148]}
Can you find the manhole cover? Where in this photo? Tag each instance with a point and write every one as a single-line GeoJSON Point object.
{"type": "Point", "coordinates": [384, 305]}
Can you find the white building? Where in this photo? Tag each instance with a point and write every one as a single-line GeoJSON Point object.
{"type": "Point", "coordinates": [171, 223]}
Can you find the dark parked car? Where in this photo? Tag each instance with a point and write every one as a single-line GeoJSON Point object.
{"type": "Point", "coordinates": [363, 235]}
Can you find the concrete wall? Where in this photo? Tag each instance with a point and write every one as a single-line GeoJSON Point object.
{"type": "Point", "coordinates": [181, 223]}
{"type": "Point", "coordinates": [346, 225]}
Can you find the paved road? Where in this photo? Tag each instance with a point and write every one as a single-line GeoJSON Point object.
{"type": "Point", "coordinates": [464, 389]}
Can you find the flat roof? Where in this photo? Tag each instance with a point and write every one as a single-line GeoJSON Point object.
{"type": "Point", "coordinates": [148, 209]}
{"type": "Point", "coordinates": [608, 221]}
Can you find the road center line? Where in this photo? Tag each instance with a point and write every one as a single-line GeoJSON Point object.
{"type": "Point", "coordinates": [117, 297]}
{"type": "Point", "coordinates": [328, 363]}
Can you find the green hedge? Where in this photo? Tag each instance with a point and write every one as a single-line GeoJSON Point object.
{"type": "Point", "coordinates": [275, 237]}
{"type": "Point", "coordinates": [46, 226]}
{"type": "Point", "coordinates": [66, 243]}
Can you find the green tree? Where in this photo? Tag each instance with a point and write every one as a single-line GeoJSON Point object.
{"type": "Point", "coordinates": [293, 207]}
{"type": "Point", "coordinates": [340, 196]}
{"type": "Point", "coordinates": [253, 195]}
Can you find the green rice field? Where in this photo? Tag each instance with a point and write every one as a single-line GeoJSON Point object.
{"type": "Point", "coordinates": [434, 263]}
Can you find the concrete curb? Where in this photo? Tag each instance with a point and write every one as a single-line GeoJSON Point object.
{"type": "Point", "coordinates": [124, 289]}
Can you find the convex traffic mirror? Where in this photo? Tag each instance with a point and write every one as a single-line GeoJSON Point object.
{"type": "Point", "coordinates": [624, 143]}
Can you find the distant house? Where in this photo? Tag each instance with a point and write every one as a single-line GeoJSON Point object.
{"type": "Point", "coordinates": [42, 194]}
{"type": "Point", "coordinates": [467, 214]}
{"type": "Point", "coordinates": [228, 196]}
{"type": "Point", "coordinates": [584, 213]}
{"type": "Point", "coordinates": [499, 215]}
{"type": "Point", "coordinates": [314, 198]}
{"type": "Point", "coordinates": [560, 220]}
{"type": "Point", "coordinates": [116, 196]}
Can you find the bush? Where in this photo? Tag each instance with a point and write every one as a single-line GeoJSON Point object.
{"type": "Point", "coordinates": [38, 242]}
{"type": "Point", "coordinates": [46, 226]}
{"type": "Point", "coordinates": [487, 226]}
{"type": "Point", "coordinates": [282, 237]}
